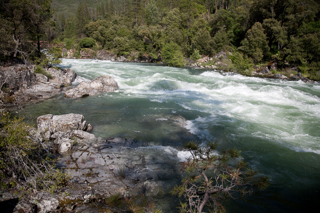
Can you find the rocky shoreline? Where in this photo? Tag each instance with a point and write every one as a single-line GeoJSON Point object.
{"type": "Point", "coordinates": [219, 61]}
{"type": "Point", "coordinates": [20, 85]}
{"type": "Point", "coordinates": [99, 167]}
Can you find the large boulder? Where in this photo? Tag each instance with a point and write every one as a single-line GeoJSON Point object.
{"type": "Point", "coordinates": [280, 76]}
{"type": "Point", "coordinates": [99, 85]}
{"type": "Point", "coordinates": [104, 55]}
{"type": "Point", "coordinates": [50, 124]}
{"type": "Point", "coordinates": [62, 77]}
{"type": "Point", "coordinates": [16, 77]}
{"type": "Point", "coordinates": [87, 54]}
{"type": "Point", "coordinates": [20, 85]}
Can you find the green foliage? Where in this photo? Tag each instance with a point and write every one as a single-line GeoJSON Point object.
{"type": "Point", "coordinates": [210, 178]}
{"type": "Point", "coordinates": [39, 69]}
{"type": "Point", "coordinates": [255, 44]}
{"type": "Point", "coordinates": [68, 43]}
{"type": "Point", "coordinates": [121, 44]}
{"type": "Point", "coordinates": [195, 55]}
{"type": "Point", "coordinates": [23, 25]}
{"type": "Point", "coordinates": [24, 161]}
{"type": "Point", "coordinates": [172, 55]}
{"type": "Point", "coordinates": [262, 30]}
{"type": "Point", "coordinates": [242, 63]}
{"type": "Point", "coordinates": [152, 13]}
{"type": "Point", "coordinates": [87, 42]}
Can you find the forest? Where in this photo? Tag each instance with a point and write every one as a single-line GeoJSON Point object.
{"type": "Point", "coordinates": [254, 32]}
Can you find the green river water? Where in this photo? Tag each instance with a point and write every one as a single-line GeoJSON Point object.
{"type": "Point", "coordinates": [276, 124]}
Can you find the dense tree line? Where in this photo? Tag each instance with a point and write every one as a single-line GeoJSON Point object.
{"type": "Point", "coordinates": [286, 31]}
{"type": "Point", "coordinates": [257, 31]}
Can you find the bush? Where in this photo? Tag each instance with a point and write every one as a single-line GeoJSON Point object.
{"type": "Point", "coordinates": [196, 55]}
{"type": "Point", "coordinates": [242, 63]}
{"type": "Point", "coordinates": [68, 43]}
{"type": "Point", "coordinates": [172, 55]}
{"type": "Point", "coordinates": [87, 43]}
{"type": "Point", "coordinates": [24, 161]}
{"type": "Point", "coordinates": [39, 69]}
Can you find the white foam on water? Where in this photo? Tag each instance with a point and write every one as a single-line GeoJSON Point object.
{"type": "Point", "coordinates": [183, 156]}
{"type": "Point", "coordinates": [280, 110]}
{"type": "Point", "coordinates": [161, 119]}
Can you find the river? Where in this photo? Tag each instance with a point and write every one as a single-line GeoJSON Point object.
{"type": "Point", "coordinates": [275, 123]}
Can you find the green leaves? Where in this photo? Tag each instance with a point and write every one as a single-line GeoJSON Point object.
{"type": "Point", "coordinates": [87, 43]}
{"type": "Point", "coordinates": [152, 13]}
{"type": "Point", "coordinates": [255, 44]}
{"type": "Point", "coordinates": [210, 178]}
{"type": "Point", "coordinates": [172, 55]}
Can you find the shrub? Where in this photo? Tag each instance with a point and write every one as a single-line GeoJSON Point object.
{"type": "Point", "coordinates": [68, 43]}
{"type": "Point", "coordinates": [87, 43]}
{"type": "Point", "coordinates": [39, 69]}
{"type": "Point", "coordinates": [196, 55]}
{"type": "Point", "coordinates": [24, 161]}
{"type": "Point", "coordinates": [172, 55]}
{"type": "Point", "coordinates": [241, 63]}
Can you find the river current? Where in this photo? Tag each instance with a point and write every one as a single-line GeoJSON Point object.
{"type": "Point", "coordinates": [275, 123]}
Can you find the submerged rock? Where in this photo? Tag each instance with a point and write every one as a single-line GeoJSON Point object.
{"type": "Point", "coordinates": [102, 84]}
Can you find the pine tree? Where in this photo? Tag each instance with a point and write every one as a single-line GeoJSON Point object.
{"type": "Point", "coordinates": [82, 17]}
{"type": "Point", "coordinates": [136, 10]}
{"type": "Point", "coordinates": [152, 13]}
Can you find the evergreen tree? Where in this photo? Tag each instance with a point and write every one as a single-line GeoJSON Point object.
{"type": "Point", "coordinates": [152, 13]}
{"type": "Point", "coordinates": [255, 44]}
{"type": "Point", "coordinates": [82, 17]}
{"type": "Point", "coordinates": [22, 22]}
{"type": "Point", "coordinates": [137, 10]}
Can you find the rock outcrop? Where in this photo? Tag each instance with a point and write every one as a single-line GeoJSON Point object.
{"type": "Point", "coordinates": [102, 84]}
{"type": "Point", "coordinates": [20, 85]}
{"type": "Point", "coordinates": [62, 126]}
{"type": "Point", "coordinates": [87, 53]}
{"type": "Point", "coordinates": [104, 55]}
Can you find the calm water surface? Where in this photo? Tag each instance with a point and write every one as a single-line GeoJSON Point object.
{"type": "Point", "coordinates": [276, 124]}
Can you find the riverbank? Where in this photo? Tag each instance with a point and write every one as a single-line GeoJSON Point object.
{"type": "Point", "coordinates": [220, 61]}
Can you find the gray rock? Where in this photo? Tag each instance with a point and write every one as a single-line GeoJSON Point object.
{"type": "Point", "coordinates": [46, 202]}
{"type": "Point", "coordinates": [295, 78]}
{"type": "Point", "coordinates": [41, 78]}
{"type": "Point", "coordinates": [16, 77]}
{"type": "Point", "coordinates": [87, 54]}
{"type": "Point", "coordinates": [71, 53]}
{"type": "Point", "coordinates": [103, 55]}
{"type": "Point", "coordinates": [65, 145]}
{"type": "Point", "coordinates": [221, 55]}
{"type": "Point", "coordinates": [22, 85]}
{"type": "Point", "coordinates": [264, 70]}
{"type": "Point", "coordinates": [82, 135]}
{"type": "Point", "coordinates": [53, 126]}
{"type": "Point", "coordinates": [122, 59]}
{"type": "Point", "coordinates": [102, 84]}
{"type": "Point", "coordinates": [63, 77]}
{"type": "Point", "coordinates": [280, 76]}
{"type": "Point", "coordinates": [25, 206]}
